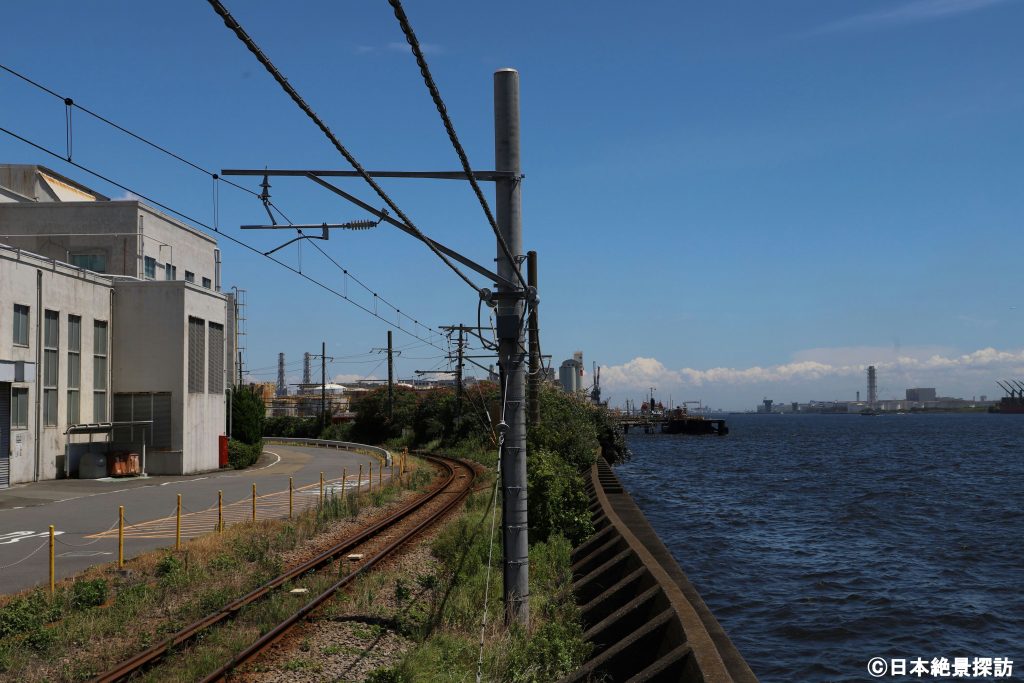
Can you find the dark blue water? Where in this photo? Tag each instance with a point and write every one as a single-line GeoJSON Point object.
{"type": "Point", "coordinates": [820, 542]}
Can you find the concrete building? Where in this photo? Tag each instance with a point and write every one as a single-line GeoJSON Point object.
{"type": "Point", "coordinates": [118, 324]}
{"type": "Point", "coordinates": [921, 394]}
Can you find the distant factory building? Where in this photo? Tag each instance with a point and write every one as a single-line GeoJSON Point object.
{"type": "Point", "coordinates": [114, 334]}
{"type": "Point", "coordinates": [921, 394]}
{"type": "Point", "coordinates": [570, 374]}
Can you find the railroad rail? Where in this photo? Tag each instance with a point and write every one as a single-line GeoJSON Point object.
{"type": "Point", "coordinates": [453, 483]}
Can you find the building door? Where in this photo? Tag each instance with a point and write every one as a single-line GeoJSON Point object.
{"type": "Point", "coordinates": [5, 434]}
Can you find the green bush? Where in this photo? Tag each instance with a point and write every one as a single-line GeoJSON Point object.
{"type": "Point", "coordinates": [86, 594]}
{"type": "Point", "coordinates": [292, 427]}
{"type": "Point", "coordinates": [557, 498]}
{"type": "Point", "coordinates": [372, 422]}
{"type": "Point", "coordinates": [247, 415]}
{"type": "Point", "coordinates": [342, 431]}
{"type": "Point", "coordinates": [241, 455]}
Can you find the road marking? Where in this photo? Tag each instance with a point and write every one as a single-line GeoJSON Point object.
{"type": "Point", "coordinates": [84, 553]}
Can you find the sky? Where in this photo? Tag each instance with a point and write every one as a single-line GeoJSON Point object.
{"type": "Point", "coordinates": [729, 200]}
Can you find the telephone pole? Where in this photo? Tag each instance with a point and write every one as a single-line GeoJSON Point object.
{"type": "Point", "coordinates": [458, 377]}
{"type": "Point", "coordinates": [391, 381]}
{"type": "Point", "coordinates": [323, 379]}
{"type": "Point", "coordinates": [510, 349]}
{"type": "Point", "coordinates": [533, 381]}
{"type": "Point", "coordinates": [323, 384]}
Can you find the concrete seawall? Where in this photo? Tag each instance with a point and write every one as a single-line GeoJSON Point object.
{"type": "Point", "coordinates": [644, 617]}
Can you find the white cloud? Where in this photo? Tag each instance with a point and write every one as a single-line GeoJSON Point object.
{"type": "Point", "coordinates": [908, 13]}
{"type": "Point", "coordinates": [344, 378]}
{"type": "Point", "coordinates": [909, 365]}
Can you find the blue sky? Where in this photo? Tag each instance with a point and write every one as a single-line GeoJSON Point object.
{"type": "Point", "coordinates": [729, 200]}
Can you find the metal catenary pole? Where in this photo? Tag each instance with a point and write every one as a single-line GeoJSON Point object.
{"type": "Point", "coordinates": [533, 383]}
{"type": "Point", "coordinates": [510, 349]}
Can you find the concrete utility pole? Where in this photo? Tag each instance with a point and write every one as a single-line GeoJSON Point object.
{"type": "Point", "coordinates": [533, 381]}
{"type": "Point", "coordinates": [510, 349]}
{"type": "Point", "coordinates": [458, 376]}
{"type": "Point", "coordinates": [323, 384]}
{"type": "Point", "coordinates": [391, 381]}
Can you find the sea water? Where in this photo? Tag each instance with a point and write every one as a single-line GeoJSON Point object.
{"type": "Point", "coordinates": [821, 542]}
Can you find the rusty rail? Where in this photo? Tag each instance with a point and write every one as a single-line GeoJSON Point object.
{"type": "Point", "coordinates": [149, 656]}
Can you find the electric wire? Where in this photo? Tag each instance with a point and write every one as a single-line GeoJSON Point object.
{"type": "Point", "coordinates": [227, 236]}
{"type": "Point", "coordinates": [69, 102]}
{"type": "Point", "coordinates": [435, 94]}
{"type": "Point", "coordinates": [233, 24]}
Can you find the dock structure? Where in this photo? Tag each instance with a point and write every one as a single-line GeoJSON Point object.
{"type": "Point", "coordinates": [673, 423]}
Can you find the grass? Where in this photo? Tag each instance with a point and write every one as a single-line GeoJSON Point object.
{"type": "Point", "coordinates": [103, 616]}
{"type": "Point", "coordinates": [441, 610]}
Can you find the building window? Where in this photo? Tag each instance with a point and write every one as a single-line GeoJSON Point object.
{"type": "Point", "coordinates": [51, 335]}
{"type": "Point", "coordinates": [74, 368]}
{"type": "Point", "coordinates": [20, 325]}
{"type": "Point", "coordinates": [94, 262]}
{"type": "Point", "coordinates": [196, 355]}
{"type": "Point", "coordinates": [190, 276]}
{"type": "Point", "coordinates": [170, 272]}
{"type": "Point", "coordinates": [207, 283]}
{"type": "Point", "coordinates": [150, 264]}
{"type": "Point", "coordinates": [99, 371]}
{"type": "Point", "coordinates": [19, 408]}
{"type": "Point", "coordinates": [216, 381]}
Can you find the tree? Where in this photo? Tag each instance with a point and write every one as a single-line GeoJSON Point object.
{"type": "Point", "coordinates": [247, 415]}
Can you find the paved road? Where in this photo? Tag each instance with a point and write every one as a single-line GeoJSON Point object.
{"type": "Point", "coordinates": [84, 512]}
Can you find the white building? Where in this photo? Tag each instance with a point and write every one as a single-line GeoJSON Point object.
{"type": "Point", "coordinates": [110, 313]}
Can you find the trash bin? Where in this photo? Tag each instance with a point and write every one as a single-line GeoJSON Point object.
{"type": "Point", "coordinates": [223, 450]}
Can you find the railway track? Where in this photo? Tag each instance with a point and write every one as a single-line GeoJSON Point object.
{"type": "Point", "coordinates": [405, 524]}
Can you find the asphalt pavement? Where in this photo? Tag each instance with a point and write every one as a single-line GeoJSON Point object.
{"type": "Point", "coordinates": [84, 512]}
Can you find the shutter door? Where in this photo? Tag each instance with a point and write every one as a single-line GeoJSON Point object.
{"type": "Point", "coordinates": [5, 435]}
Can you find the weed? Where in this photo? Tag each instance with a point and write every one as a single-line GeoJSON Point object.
{"type": "Point", "coordinates": [168, 565]}
{"type": "Point", "coordinates": [402, 592]}
{"type": "Point", "coordinates": [86, 594]}
{"type": "Point", "coordinates": [223, 562]}
{"type": "Point", "coordinates": [300, 664]}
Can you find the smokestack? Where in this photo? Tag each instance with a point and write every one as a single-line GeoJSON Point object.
{"type": "Point", "coordinates": [282, 387]}
{"type": "Point", "coordinates": [307, 378]}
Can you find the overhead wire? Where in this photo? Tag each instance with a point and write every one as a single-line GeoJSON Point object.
{"type": "Point", "coordinates": [233, 24]}
{"type": "Point", "coordinates": [69, 102]}
{"type": "Point", "coordinates": [435, 94]}
{"type": "Point", "coordinates": [227, 236]}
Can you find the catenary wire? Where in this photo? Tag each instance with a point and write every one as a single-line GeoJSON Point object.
{"type": "Point", "coordinates": [69, 102]}
{"type": "Point", "coordinates": [227, 236]}
{"type": "Point", "coordinates": [233, 24]}
{"type": "Point", "coordinates": [435, 94]}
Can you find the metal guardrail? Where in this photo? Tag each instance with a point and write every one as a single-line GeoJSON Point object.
{"type": "Point", "coordinates": [327, 443]}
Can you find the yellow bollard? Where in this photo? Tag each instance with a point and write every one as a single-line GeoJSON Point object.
{"type": "Point", "coordinates": [290, 498]}
{"type": "Point", "coordinates": [177, 527]}
{"type": "Point", "coordinates": [51, 559]}
{"type": "Point", "coordinates": [220, 512]}
{"type": "Point", "coordinates": [321, 488]}
{"type": "Point", "coordinates": [344, 475]}
{"type": "Point", "coordinates": [359, 482]}
{"type": "Point", "coordinates": [120, 536]}
{"type": "Point", "coordinates": [254, 501]}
